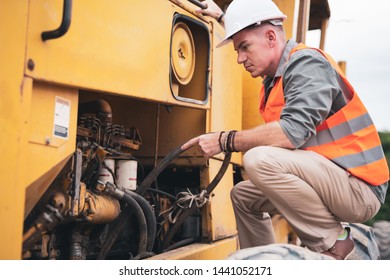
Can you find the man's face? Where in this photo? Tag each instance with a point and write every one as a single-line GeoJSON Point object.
{"type": "Point", "coordinates": [253, 51]}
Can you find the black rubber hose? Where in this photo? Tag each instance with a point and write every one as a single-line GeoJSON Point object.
{"type": "Point", "coordinates": [143, 230]}
{"type": "Point", "coordinates": [151, 177]}
{"type": "Point", "coordinates": [189, 211]}
{"type": "Point", "coordinates": [114, 233]}
{"type": "Point", "coordinates": [157, 170]}
{"type": "Point", "coordinates": [151, 221]}
{"type": "Point", "coordinates": [133, 207]}
{"type": "Point", "coordinates": [168, 195]}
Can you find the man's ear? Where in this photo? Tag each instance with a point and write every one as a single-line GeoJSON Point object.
{"type": "Point", "coordinates": [271, 37]}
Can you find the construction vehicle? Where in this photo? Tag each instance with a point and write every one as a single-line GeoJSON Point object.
{"type": "Point", "coordinates": [96, 101]}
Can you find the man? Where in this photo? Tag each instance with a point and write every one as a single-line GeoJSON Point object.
{"type": "Point", "coordinates": [318, 160]}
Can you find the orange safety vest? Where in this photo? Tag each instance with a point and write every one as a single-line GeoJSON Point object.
{"type": "Point", "coordinates": [348, 137]}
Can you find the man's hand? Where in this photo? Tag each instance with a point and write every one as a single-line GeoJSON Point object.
{"type": "Point", "coordinates": [269, 134]}
{"type": "Point", "coordinates": [212, 9]}
{"type": "Point", "coordinates": [208, 143]}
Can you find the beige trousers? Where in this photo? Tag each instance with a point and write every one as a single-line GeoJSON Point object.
{"type": "Point", "coordinates": [312, 193]}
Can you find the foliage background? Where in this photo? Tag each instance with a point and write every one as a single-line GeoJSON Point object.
{"type": "Point", "coordinates": [384, 212]}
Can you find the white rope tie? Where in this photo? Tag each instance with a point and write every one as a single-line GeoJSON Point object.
{"type": "Point", "coordinates": [185, 200]}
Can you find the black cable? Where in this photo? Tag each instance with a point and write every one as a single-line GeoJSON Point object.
{"type": "Point", "coordinates": [132, 207]}
{"type": "Point", "coordinates": [151, 221]}
{"type": "Point", "coordinates": [189, 211]}
{"type": "Point", "coordinates": [157, 170]}
{"type": "Point", "coordinates": [172, 197]}
{"type": "Point", "coordinates": [150, 178]}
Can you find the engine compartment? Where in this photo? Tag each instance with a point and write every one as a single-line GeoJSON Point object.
{"type": "Point", "coordinates": [94, 209]}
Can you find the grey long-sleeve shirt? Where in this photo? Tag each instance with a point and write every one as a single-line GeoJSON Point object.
{"type": "Point", "coordinates": [313, 91]}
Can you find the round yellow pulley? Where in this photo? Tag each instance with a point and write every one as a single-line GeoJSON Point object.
{"type": "Point", "coordinates": [183, 53]}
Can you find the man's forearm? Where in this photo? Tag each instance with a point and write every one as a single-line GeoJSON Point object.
{"type": "Point", "coordinates": [270, 134]}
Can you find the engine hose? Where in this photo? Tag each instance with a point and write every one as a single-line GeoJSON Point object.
{"type": "Point", "coordinates": [114, 233]}
{"type": "Point", "coordinates": [172, 197]}
{"type": "Point", "coordinates": [150, 219]}
{"type": "Point", "coordinates": [191, 210]}
{"type": "Point", "coordinates": [157, 170]}
{"type": "Point", "coordinates": [133, 207]}
{"type": "Point", "coordinates": [143, 238]}
{"type": "Point", "coordinates": [151, 177]}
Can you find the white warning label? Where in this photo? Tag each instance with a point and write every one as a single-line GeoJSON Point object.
{"type": "Point", "coordinates": [61, 118]}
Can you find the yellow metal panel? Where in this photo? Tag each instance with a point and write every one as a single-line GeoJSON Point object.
{"type": "Point", "coordinates": [174, 127]}
{"type": "Point", "coordinates": [44, 150]}
{"type": "Point", "coordinates": [221, 222]}
{"type": "Point", "coordinates": [202, 251]}
{"type": "Point", "coordinates": [250, 101]}
{"type": "Point", "coordinates": [35, 190]}
{"type": "Point", "coordinates": [44, 153]}
{"type": "Point", "coordinates": [226, 110]}
{"type": "Point", "coordinates": [13, 22]}
{"type": "Point", "coordinates": [113, 48]}
{"type": "Point", "coordinates": [288, 7]}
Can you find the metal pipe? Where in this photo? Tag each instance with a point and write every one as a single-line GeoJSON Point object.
{"type": "Point", "coordinates": [100, 209]}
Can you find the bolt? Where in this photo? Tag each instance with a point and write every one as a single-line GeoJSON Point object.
{"type": "Point", "coordinates": [181, 53]}
{"type": "Point", "coordinates": [30, 64]}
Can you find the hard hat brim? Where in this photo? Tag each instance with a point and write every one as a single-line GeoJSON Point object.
{"type": "Point", "coordinates": [228, 37]}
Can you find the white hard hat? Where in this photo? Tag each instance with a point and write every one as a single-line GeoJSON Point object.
{"type": "Point", "coordinates": [243, 13]}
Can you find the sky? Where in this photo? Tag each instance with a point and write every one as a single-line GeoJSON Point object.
{"type": "Point", "coordinates": [358, 33]}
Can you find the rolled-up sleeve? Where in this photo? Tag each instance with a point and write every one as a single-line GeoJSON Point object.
{"type": "Point", "coordinates": [310, 86]}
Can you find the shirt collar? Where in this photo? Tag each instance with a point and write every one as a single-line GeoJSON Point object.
{"type": "Point", "coordinates": [286, 52]}
{"type": "Point", "coordinates": [283, 60]}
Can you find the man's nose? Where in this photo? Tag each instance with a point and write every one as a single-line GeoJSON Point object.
{"type": "Point", "coordinates": [241, 58]}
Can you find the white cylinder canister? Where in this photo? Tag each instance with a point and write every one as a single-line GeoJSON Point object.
{"type": "Point", "coordinates": [126, 174]}
{"type": "Point", "coordinates": [105, 175]}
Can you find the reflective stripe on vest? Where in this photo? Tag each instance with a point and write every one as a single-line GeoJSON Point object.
{"type": "Point", "coordinates": [348, 137]}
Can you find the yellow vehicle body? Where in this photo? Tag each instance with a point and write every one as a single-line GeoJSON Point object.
{"type": "Point", "coordinates": [128, 54]}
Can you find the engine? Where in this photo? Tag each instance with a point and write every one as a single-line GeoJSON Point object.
{"type": "Point", "coordinates": [94, 209]}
